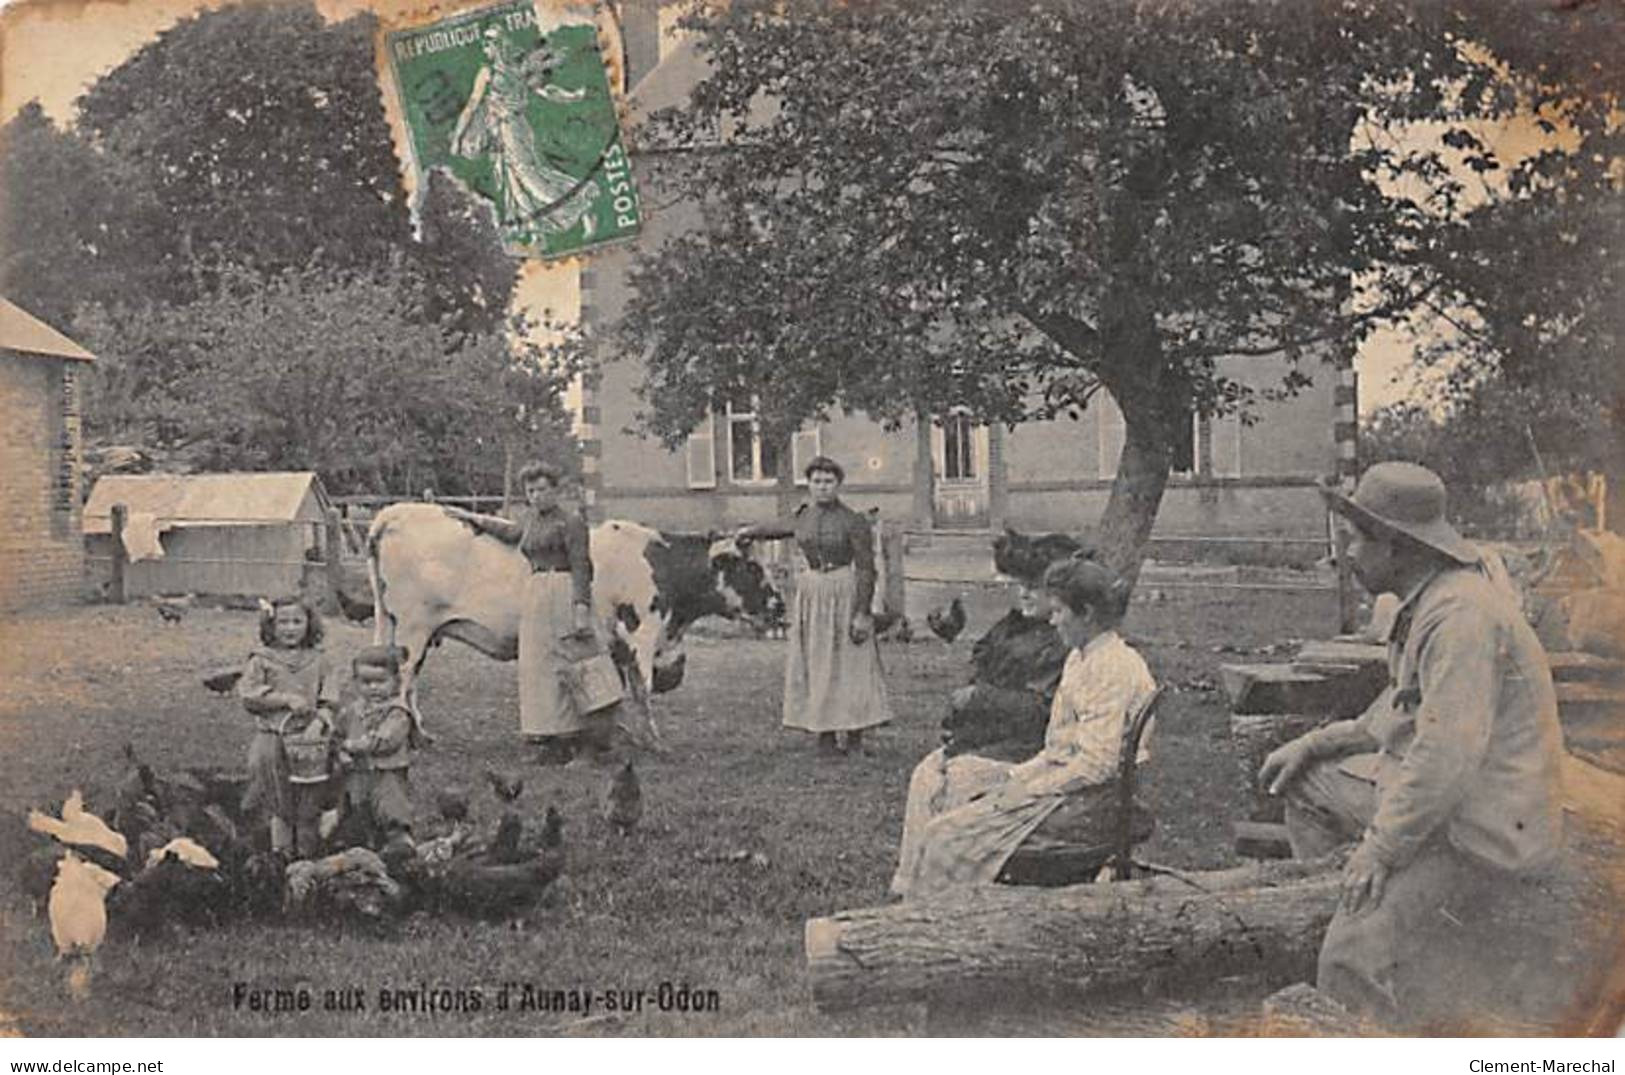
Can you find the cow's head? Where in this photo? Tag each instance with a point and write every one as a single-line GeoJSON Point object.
{"type": "Point", "coordinates": [744, 585]}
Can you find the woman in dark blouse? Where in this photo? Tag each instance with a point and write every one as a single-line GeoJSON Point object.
{"type": "Point", "coordinates": [557, 604]}
{"type": "Point", "coordinates": [832, 681]}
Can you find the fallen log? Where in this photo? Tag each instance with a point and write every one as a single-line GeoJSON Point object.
{"type": "Point", "coordinates": [1266, 918]}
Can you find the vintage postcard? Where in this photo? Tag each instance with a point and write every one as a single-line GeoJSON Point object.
{"type": "Point", "coordinates": [785, 518]}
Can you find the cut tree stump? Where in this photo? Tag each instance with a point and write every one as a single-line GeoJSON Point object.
{"type": "Point", "coordinates": [1262, 919]}
{"type": "Point", "coordinates": [1252, 737]}
{"type": "Point", "coordinates": [1339, 691]}
{"type": "Point", "coordinates": [1574, 666]}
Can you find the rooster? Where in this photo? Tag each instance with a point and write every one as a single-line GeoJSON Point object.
{"type": "Point", "coordinates": [623, 800]}
{"type": "Point", "coordinates": [947, 625]}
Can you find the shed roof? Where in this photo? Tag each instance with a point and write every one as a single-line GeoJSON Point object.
{"type": "Point", "coordinates": [246, 499]}
{"type": "Point", "coordinates": [22, 331]}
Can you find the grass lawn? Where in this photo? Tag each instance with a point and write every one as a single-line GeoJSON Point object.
{"type": "Point", "coordinates": [675, 903]}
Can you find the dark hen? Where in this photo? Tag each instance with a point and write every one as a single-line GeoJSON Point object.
{"type": "Point", "coordinates": [946, 625]}
{"type": "Point", "coordinates": [623, 800]}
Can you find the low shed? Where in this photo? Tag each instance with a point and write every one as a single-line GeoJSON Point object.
{"type": "Point", "coordinates": [254, 534]}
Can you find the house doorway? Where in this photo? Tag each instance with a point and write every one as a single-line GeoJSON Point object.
{"type": "Point", "coordinates": [960, 467]}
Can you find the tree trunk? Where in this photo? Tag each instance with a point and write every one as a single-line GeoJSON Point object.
{"type": "Point", "coordinates": [1266, 918]}
{"type": "Point", "coordinates": [1142, 475]}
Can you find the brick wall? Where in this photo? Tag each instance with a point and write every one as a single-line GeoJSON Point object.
{"type": "Point", "coordinates": [41, 548]}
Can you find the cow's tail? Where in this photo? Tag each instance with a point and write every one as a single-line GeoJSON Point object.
{"type": "Point", "coordinates": [383, 624]}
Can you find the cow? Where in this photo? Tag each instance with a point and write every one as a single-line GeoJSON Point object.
{"type": "Point", "coordinates": [434, 577]}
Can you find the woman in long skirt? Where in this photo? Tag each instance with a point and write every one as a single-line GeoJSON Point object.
{"type": "Point", "coordinates": [1103, 682]}
{"type": "Point", "coordinates": [557, 604]}
{"type": "Point", "coordinates": [832, 680]}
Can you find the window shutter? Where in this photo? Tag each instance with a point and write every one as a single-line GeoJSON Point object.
{"type": "Point", "coordinates": [1227, 447]}
{"type": "Point", "coordinates": [804, 445]}
{"type": "Point", "coordinates": [702, 455]}
{"type": "Point", "coordinates": [1110, 420]}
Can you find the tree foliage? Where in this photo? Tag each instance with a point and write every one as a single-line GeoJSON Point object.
{"type": "Point", "coordinates": [75, 224]}
{"type": "Point", "coordinates": [261, 133]}
{"type": "Point", "coordinates": [1012, 207]}
{"type": "Point", "coordinates": [306, 369]}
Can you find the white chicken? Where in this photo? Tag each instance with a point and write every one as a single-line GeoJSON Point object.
{"type": "Point", "coordinates": [79, 826]}
{"type": "Point", "coordinates": [78, 913]}
{"type": "Point", "coordinates": [188, 851]}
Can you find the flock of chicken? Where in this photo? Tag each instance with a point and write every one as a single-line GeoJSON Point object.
{"type": "Point", "coordinates": [177, 850]}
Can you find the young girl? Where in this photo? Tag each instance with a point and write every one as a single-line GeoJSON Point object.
{"type": "Point", "coordinates": [288, 687]}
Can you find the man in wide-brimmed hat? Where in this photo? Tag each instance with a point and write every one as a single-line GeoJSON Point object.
{"type": "Point", "coordinates": [1449, 781]}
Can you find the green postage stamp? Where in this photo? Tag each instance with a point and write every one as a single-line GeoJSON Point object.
{"type": "Point", "coordinates": [521, 115]}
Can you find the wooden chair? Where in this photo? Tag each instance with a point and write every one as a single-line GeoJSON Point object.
{"type": "Point", "coordinates": [1052, 856]}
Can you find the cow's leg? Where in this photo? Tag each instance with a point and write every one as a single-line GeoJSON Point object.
{"type": "Point", "coordinates": [413, 637]}
{"type": "Point", "coordinates": [644, 640]}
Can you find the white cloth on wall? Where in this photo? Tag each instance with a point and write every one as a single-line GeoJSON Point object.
{"type": "Point", "coordinates": [141, 541]}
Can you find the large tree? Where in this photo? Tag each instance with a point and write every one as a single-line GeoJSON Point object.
{"type": "Point", "coordinates": [262, 134]}
{"type": "Point", "coordinates": [1016, 206]}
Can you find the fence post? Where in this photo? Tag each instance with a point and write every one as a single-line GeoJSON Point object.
{"type": "Point", "coordinates": [335, 560]}
{"type": "Point", "coordinates": [118, 515]}
{"type": "Point", "coordinates": [891, 547]}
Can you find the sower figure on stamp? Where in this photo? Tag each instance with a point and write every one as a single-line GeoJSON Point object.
{"type": "Point", "coordinates": [832, 679]}
{"type": "Point", "coordinates": [1449, 781]}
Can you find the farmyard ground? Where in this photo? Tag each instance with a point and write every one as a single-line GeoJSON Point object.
{"type": "Point", "coordinates": [683, 901]}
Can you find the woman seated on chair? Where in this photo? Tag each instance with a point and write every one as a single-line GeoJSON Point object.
{"type": "Point", "coordinates": [969, 840]}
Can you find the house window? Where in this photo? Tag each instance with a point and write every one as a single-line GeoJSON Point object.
{"type": "Point", "coordinates": [958, 447]}
{"type": "Point", "coordinates": [752, 458]}
{"type": "Point", "coordinates": [804, 445]}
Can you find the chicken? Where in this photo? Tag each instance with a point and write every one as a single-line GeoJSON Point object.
{"type": "Point", "coordinates": [173, 609]}
{"type": "Point", "coordinates": [552, 830]}
{"type": "Point", "coordinates": [355, 609]}
{"type": "Point", "coordinates": [79, 827]}
{"type": "Point", "coordinates": [178, 885]}
{"type": "Point", "coordinates": [623, 800]}
{"type": "Point", "coordinates": [504, 846]}
{"type": "Point", "coordinates": [947, 625]}
{"type": "Point", "coordinates": [188, 851]}
{"type": "Point", "coordinates": [78, 912]}
{"type": "Point", "coordinates": [507, 788]}
{"type": "Point", "coordinates": [223, 681]}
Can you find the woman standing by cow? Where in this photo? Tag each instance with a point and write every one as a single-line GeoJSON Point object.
{"type": "Point", "coordinates": [832, 682]}
{"type": "Point", "coordinates": [557, 605]}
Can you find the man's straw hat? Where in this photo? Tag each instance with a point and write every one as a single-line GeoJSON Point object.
{"type": "Point", "coordinates": [1407, 499]}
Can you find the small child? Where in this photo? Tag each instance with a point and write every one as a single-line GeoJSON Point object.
{"type": "Point", "coordinates": [289, 688]}
{"type": "Point", "coordinates": [375, 732]}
